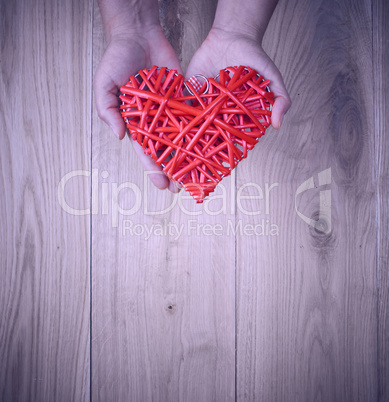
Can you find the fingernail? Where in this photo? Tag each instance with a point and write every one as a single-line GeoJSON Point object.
{"type": "Point", "coordinates": [178, 185]}
{"type": "Point", "coordinates": [114, 131]}
{"type": "Point", "coordinates": [282, 119]}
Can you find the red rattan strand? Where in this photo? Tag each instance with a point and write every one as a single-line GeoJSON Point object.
{"type": "Point", "coordinates": [197, 138]}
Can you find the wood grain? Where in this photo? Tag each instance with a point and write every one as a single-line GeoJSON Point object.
{"type": "Point", "coordinates": [163, 305]}
{"type": "Point", "coordinates": [381, 91]}
{"type": "Point", "coordinates": [306, 299]}
{"type": "Point", "coordinates": [248, 302]}
{"type": "Point", "coordinates": [186, 25]}
{"type": "Point", "coordinates": [44, 257]}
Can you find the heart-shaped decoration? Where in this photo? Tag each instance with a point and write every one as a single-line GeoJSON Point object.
{"type": "Point", "coordinates": [197, 131]}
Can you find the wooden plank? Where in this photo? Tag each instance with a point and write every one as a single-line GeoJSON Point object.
{"type": "Point", "coordinates": [163, 301]}
{"type": "Point", "coordinates": [44, 257]}
{"type": "Point", "coordinates": [186, 24]}
{"type": "Point", "coordinates": [306, 301]}
{"type": "Point", "coordinates": [381, 91]}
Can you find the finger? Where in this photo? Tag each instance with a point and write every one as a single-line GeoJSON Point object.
{"type": "Point", "coordinates": [174, 186]}
{"type": "Point", "coordinates": [197, 68]}
{"type": "Point", "coordinates": [280, 107]}
{"type": "Point", "coordinates": [113, 118]}
{"type": "Point", "coordinates": [163, 55]}
{"type": "Point", "coordinates": [200, 64]}
{"type": "Point", "coordinates": [282, 101]}
{"type": "Point", "coordinates": [171, 62]}
{"type": "Point", "coordinates": [154, 172]}
{"type": "Point", "coordinates": [107, 105]}
{"type": "Point", "coordinates": [159, 179]}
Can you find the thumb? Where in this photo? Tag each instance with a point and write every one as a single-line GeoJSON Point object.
{"type": "Point", "coordinates": [281, 106]}
{"type": "Point", "coordinates": [198, 66]}
{"type": "Point", "coordinates": [282, 101]}
{"type": "Point", "coordinates": [107, 105]}
{"type": "Point", "coordinates": [113, 118]}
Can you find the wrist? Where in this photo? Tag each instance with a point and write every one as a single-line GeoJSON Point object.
{"type": "Point", "coordinates": [221, 33]}
{"type": "Point", "coordinates": [243, 31]}
{"type": "Point", "coordinates": [126, 17]}
{"type": "Point", "coordinates": [138, 33]}
{"type": "Point", "coordinates": [249, 18]}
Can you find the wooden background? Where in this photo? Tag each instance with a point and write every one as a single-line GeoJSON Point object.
{"type": "Point", "coordinates": [92, 310]}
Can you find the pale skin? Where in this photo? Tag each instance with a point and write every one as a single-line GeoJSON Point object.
{"type": "Point", "coordinates": [136, 41]}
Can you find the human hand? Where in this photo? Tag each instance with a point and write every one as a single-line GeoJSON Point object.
{"type": "Point", "coordinates": [223, 48]}
{"type": "Point", "coordinates": [126, 54]}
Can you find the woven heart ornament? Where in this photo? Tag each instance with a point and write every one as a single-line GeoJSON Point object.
{"type": "Point", "coordinates": [198, 130]}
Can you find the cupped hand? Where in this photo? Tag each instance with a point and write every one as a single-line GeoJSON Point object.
{"type": "Point", "coordinates": [222, 48]}
{"type": "Point", "coordinates": [125, 55]}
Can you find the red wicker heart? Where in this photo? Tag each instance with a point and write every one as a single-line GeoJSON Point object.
{"type": "Point", "coordinates": [197, 134]}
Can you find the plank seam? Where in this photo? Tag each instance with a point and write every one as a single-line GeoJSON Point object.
{"type": "Point", "coordinates": [235, 295]}
{"type": "Point", "coordinates": [377, 128]}
{"type": "Point", "coordinates": [91, 21]}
